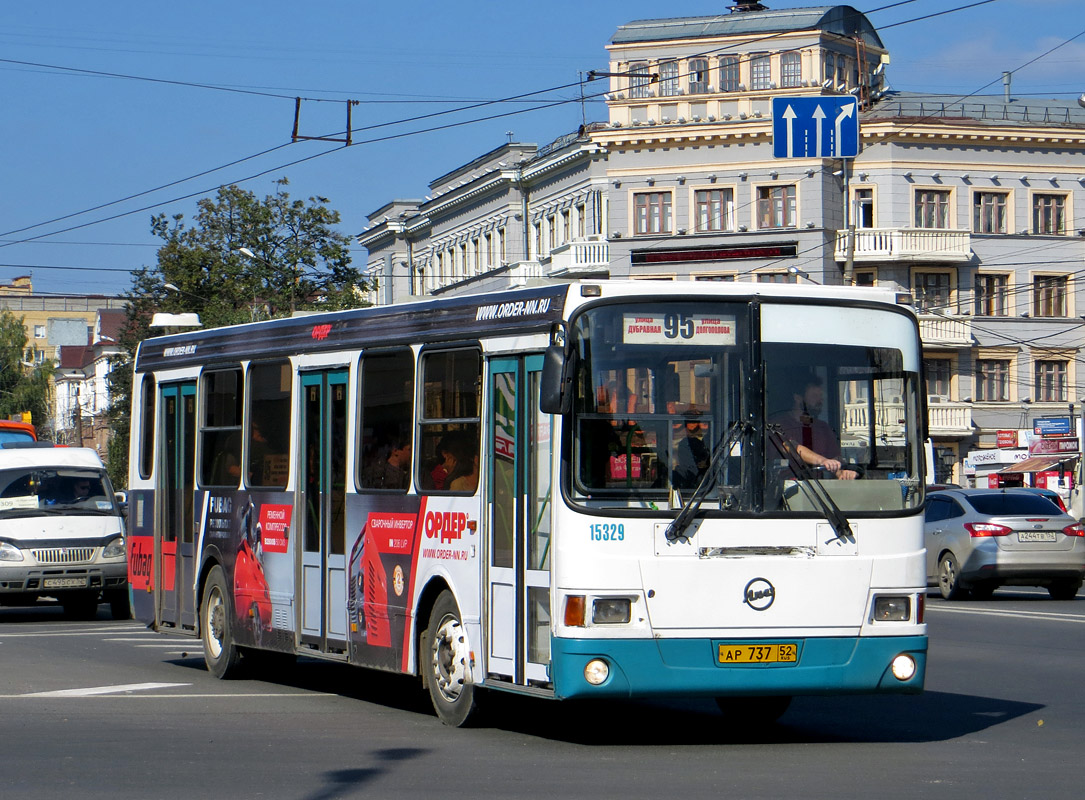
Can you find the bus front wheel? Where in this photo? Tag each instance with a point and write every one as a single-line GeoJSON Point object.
{"type": "Point", "coordinates": [222, 656]}
{"type": "Point", "coordinates": [446, 659]}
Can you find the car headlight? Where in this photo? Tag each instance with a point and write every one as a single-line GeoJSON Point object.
{"type": "Point", "coordinates": [115, 548]}
{"type": "Point", "coordinates": [9, 552]}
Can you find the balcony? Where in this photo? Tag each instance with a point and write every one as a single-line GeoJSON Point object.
{"type": "Point", "coordinates": [585, 257]}
{"type": "Point", "coordinates": [905, 244]}
{"type": "Point", "coordinates": [937, 330]}
{"type": "Point", "coordinates": [948, 418]}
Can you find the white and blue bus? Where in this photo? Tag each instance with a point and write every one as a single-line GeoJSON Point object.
{"type": "Point", "coordinates": [606, 489]}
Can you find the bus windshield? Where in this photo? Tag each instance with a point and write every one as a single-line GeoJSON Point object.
{"type": "Point", "coordinates": [666, 392]}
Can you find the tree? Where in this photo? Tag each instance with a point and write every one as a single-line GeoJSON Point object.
{"type": "Point", "coordinates": [299, 263]}
{"type": "Point", "coordinates": [22, 388]}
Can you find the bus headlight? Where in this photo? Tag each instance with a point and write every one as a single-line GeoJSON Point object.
{"type": "Point", "coordinates": [610, 611]}
{"type": "Point", "coordinates": [596, 671]}
{"type": "Point", "coordinates": [9, 552]}
{"type": "Point", "coordinates": [892, 609]}
{"type": "Point", "coordinates": [903, 667]}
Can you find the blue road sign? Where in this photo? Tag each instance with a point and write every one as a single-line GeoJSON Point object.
{"type": "Point", "coordinates": [815, 127]}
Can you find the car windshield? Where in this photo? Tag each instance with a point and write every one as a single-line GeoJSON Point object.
{"type": "Point", "coordinates": [1012, 505]}
{"type": "Point", "coordinates": [36, 491]}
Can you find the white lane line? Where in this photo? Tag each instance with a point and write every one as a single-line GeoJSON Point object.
{"type": "Point", "coordinates": [169, 645]}
{"type": "Point", "coordinates": [46, 634]}
{"type": "Point", "coordinates": [100, 690]}
{"type": "Point", "coordinates": [1049, 616]}
{"type": "Point", "coordinates": [171, 639]}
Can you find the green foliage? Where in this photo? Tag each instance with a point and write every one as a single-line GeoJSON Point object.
{"type": "Point", "coordinates": [22, 388]}
{"type": "Point", "coordinates": [300, 264]}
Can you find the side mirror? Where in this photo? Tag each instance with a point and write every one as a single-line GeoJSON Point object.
{"type": "Point", "coordinates": [555, 390]}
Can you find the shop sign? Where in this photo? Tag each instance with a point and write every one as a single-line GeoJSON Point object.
{"type": "Point", "coordinates": [1051, 426]}
{"type": "Point", "coordinates": [987, 458]}
{"type": "Point", "coordinates": [1040, 447]}
{"type": "Point", "coordinates": [1006, 439]}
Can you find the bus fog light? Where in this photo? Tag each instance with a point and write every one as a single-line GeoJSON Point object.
{"type": "Point", "coordinates": [610, 610]}
{"type": "Point", "coordinates": [596, 671]}
{"type": "Point", "coordinates": [903, 667]}
{"type": "Point", "coordinates": [892, 609]}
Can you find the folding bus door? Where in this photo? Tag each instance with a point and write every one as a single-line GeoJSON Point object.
{"type": "Point", "coordinates": [519, 496]}
{"type": "Point", "coordinates": [322, 491]}
{"type": "Point", "coordinates": [175, 533]}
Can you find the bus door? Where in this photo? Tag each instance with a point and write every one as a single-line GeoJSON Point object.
{"type": "Point", "coordinates": [322, 506]}
{"type": "Point", "coordinates": [176, 534]}
{"type": "Point", "coordinates": [518, 496]}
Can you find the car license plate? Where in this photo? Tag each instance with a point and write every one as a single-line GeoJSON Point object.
{"type": "Point", "coordinates": [64, 583]}
{"type": "Point", "coordinates": [1036, 536]}
{"type": "Point", "coordinates": [758, 653]}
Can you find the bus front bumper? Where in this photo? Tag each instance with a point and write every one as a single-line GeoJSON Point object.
{"type": "Point", "coordinates": [691, 667]}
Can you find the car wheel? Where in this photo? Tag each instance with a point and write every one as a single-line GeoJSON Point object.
{"type": "Point", "coordinates": [222, 656]}
{"type": "Point", "coordinates": [753, 712]}
{"type": "Point", "coordinates": [1064, 590]}
{"type": "Point", "coordinates": [949, 582]}
{"type": "Point", "coordinates": [446, 655]}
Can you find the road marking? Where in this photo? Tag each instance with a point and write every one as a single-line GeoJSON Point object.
{"type": "Point", "coordinates": [145, 696]}
{"type": "Point", "coordinates": [173, 640]}
{"type": "Point", "coordinates": [99, 690]}
{"type": "Point", "coordinates": [174, 645]}
{"type": "Point", "coordinates": [1050, 616]}
{"type": "Point", "coordinates": [46, 634]}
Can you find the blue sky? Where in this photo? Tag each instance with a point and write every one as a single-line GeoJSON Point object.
{"type": "Point", "coordinates": [75, 140]}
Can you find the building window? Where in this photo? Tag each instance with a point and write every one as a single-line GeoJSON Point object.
{"type": "Point", "coordinates": [992, 380]}
{"type": "Point", "coordinates": [581, 220]}
{"type": "Point", "coordinates": [932, 291]}
{"type": "Point", "coordinates": [652, 213]}
{"type": "Point", "coordinates": [790, 70]}
{"type": "Point", "coordinates": [39, 331]}
{"type": "Point", "coordinates": [1049, 296]}
{"type": "Point", "coordinates": [726, 277]}
{"type": "Point", "coordinates": [715, 209]}
{"type": "Point", "coordinates": [932, 208]}
{"type": "Point", "coordinates": [991, 295]}
{"type": "Point", "coordinates": [776, 277]}
{"type": "Point", "coordinates": [668, 79]}
{"type": "Point", "coordinates": [830, 68]}
{"type": "Point", "coordinates": [1049, 213]}
{"type": "Point", "coordinates": [841, 72]}
{"type": "Point", "coordinates": [938, 374]}
{"type": "Point", "coordinates": [760, 71]}
{"type": "Point", "coordinates": [866, 277]}
{"type": "Point", "coordinates": [864, 208]}
{"type": "Point", "coordinates": [729, 75]}
{"type": "Point", "coordinates": [639, 81]}
{"type": "Point", "coordinates": [989, 212]}
{"type": "Point", "coordinates": [1050, 386]}
{"type": "Point", "coordinates": [698, 75]}
{"type": "Point", "coordinates": [776, 206]}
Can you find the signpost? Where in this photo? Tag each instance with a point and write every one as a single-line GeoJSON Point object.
{"type": "Point", "coordinates": [815, 127]}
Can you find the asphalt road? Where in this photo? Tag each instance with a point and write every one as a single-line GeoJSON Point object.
{"type": "Point", "coordinates": [107, 709]}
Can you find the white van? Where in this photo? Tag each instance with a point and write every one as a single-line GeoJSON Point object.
{"type": "Point", "coordinates": [61, 532]}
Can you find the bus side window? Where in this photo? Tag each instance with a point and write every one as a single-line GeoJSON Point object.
{"type": "Point", "coordinates": [269, 425]}
{"type": "Point", "coordinates": [387, 391]}
{"type": "Point", "coordinates": [449, 422]}
{"type": "Point", "coordinates": [220, 431]}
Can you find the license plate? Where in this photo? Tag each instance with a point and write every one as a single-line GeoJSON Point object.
{"type": "Point", "coordinates": [1036, 536]}
{"type": "Point", "coordinates": [758, 653]}
{"type": "Point", "coordinates": [64, 583]}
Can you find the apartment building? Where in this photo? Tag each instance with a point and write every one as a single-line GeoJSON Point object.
{"type": "Point", "coordinates": [973, 205]}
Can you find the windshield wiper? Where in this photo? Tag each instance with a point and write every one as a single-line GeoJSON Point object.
{"type": "Point", "coordinates": [676, 531]}
{"type": "Point", "coordinates": [810, 484]}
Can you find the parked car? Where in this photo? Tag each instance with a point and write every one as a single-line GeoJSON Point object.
{"type": "Point", "coordinates": [980, 539]}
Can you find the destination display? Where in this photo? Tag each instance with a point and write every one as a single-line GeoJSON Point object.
{"type": "Point", "coordinates": [675, 328]}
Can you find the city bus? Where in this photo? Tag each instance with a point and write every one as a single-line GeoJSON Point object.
{"type": "Point", "coordinates": [574, 490]}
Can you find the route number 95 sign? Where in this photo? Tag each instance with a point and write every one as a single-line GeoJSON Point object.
{"type": "Point", "coordinates": [678, 328]}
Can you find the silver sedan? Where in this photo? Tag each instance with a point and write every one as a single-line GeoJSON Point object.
{"type": "Point", "coordinates": [980, 539]}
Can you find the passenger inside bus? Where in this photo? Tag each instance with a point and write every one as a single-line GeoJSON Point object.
{"type": "Point", "coordinates": [392, 468]}
{"type": "Point", "coordinates": [692, 454]}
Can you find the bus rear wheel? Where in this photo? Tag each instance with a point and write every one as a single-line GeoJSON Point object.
{"type": "Point", "coordinates": [222, 656]}
{"type": "Point", "coordinates": [446, 661]}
